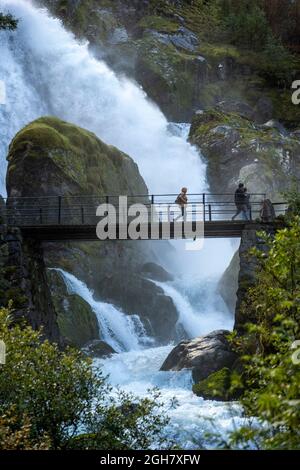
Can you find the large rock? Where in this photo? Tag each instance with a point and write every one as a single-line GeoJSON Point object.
{"type": "Point", "coordinates": [204, 355]}
{"type": "Point", "coordinates": [264, 157]}
{"type": "Point", "coordinates": [50, 157]}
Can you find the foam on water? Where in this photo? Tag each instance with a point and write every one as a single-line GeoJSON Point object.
{"type": "Point", "coordinates": [191, 417]}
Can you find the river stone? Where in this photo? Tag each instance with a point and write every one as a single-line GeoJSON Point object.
{"type": "Point", "coordinates": [98, 348]}
{"type": "Point", "coordinates": [204, 355]}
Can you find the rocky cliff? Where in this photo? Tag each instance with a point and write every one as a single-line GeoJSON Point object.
{"type": "Point", "coordinates": [49, 158]}
{"type": "Point", "coordinates": [265, 157]}
{"type": "Point", "coordinates": [185, 55]}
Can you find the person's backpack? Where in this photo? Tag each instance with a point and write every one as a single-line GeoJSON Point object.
{"type": "Point", "coordinates": [178, 199]}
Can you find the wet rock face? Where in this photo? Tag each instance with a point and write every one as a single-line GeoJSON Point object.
{"type": "Point", "coordinates": [50, 157]}
{"type": "Point", "coordinates": [76, 320]}
{"type": "Point", "coordinates": [265, 157]}
{"type": "Point", "coordinates": [228, 284]}
{"type": "Point", "coordinates": [204, 355]}
{"type": "Point", "coordinates": [156, 272]}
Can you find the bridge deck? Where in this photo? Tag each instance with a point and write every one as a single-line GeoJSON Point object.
{"type": "Point", "coordinates": [55, 218]}
{"type": "Point", "coordinates": [215, 229]}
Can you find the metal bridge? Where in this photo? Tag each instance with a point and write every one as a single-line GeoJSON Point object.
{"type": "Point", "coordinates": [57, 218]}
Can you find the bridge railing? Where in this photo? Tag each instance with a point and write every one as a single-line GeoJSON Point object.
{"type": "Point", "coordinates": [81, 210]}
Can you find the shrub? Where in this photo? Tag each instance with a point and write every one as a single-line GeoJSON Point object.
{"type": "Point", "coordinates": [60, 396]}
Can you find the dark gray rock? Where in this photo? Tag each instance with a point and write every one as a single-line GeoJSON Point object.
{"type": "Point", "coordinates": [204, 355]}
{"type": "Point", "coordinates": [183, 39]}
{"type": "Point", "coordinates": [156, 272]}
{"type": "Point", "coordinates": [98, 348]}
{"type": "Point", "coordinates": [235, 106]}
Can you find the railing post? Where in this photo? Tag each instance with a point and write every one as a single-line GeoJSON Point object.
{"type": "Point", "coordinates": [59, 209]}
{"type": "Point", "coordinates": [210, 213]}
{"type": "Point", "coordinates": [41, 216]}
{"type": "Point", "coordinates": [204, 204]}
{"type": "Point", "coordinates": [107, 199]}
{"type": "Point", "coordinates": [82, 216]}
{"type": "Point", "coordinates": [152, 199]}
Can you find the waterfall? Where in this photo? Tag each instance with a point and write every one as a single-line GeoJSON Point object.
{"type": "Point", "coordinates": [122, 332]}
{"type": "Point", "coordinates": [46, 71]}
{"type": "Point", "coordinates": [196, 320]}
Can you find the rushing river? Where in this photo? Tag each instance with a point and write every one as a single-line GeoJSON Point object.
{"type": "Point", "coordinates": [45, 71]}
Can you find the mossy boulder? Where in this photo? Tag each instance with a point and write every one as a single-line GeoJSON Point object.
{"type": "Point", "coordinates": [265, 157]}
{"type": "Point", "coordinates": [203, 355]}
{"type": "Point", "coordinates": [68, 160]}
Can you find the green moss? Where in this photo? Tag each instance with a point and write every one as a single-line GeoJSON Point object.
{"type": "Point", "coordinates": [221, 385]}
{"type": "Point", "coordinates": [217, 52]}
{"type": "Point", "coordinates": [159, 23]}
{"type": "Point", "coordinates": [74, 154]}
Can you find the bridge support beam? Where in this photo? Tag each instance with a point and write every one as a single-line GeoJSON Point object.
{"type": "Point", "coordinates": [23, 280]}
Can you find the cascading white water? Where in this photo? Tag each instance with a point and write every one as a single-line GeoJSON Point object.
{"type": "Point", "coordinates": [196, 320]}
{"type": "Point", "coordinates": [46, 71]}
{"type": "Point", "coordinates": [122, 332]}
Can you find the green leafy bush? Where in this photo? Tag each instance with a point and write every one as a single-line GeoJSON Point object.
{"type": "Point", "coordinates": [271, 376]}
{"type": "Point", "coordinates": [65, 402]}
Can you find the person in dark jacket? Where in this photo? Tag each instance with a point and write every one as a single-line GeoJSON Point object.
{"type": "Point", "coordinates": [240, 199]}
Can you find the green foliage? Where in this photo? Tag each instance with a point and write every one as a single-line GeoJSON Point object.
{"type": "Point", "coordinates": [292, 197]}
{"type": "Point", "coordinates": [247, 24]}
{"type": "Point", "coordinates": [63, 401]}
{"type": "Point", "coordinates": [221, 385]}
{"type": "Point", "coordinates": [16, 434]}
{"type": "Point", "coordinates": [271, 377]}
{"type": "Point", "coordinates": [7, 21]}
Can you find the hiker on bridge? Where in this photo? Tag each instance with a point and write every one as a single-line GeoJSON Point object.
{"type": "Point", "coordinates": [241, 201]}
{"type": "Point", "coordinates": [182, 200]}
